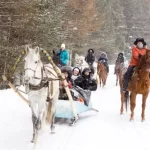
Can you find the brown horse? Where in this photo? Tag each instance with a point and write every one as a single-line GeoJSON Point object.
{"type": "Point", "coordinates": [120, 71]}
{"type": "Point", "coordinates": [102, 73]}
{"type": "Point", "coordinates": [139, 84]}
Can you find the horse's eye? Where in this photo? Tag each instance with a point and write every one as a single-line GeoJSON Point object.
{"type": "Point", "coordinates": [35, 62]}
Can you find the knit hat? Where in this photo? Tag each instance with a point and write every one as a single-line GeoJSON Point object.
{"type": "Point", "coordinates": [62, 45]}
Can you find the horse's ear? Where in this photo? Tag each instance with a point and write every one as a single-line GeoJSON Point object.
{"type": "Point", "coordinates": [77, 55]}
{"type": "Point", "coordinates": [37, 49]}
{"type": "Point", "coordinates": [26, 49]}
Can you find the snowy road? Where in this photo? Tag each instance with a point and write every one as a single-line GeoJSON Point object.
{"type": "Point", "coordinates": [106, 130]}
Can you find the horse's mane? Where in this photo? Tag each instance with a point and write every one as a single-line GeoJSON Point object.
{"type": "Point", "coordinates": [143, 59]}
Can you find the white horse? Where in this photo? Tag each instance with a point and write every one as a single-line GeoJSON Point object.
{"type": "Point", "coordinates": [81, 63]}
{"type": "Point", "coordinates": [39, 89]}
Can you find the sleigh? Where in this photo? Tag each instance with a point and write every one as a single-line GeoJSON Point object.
{"type": "Point", "coordinates": [63, 109]}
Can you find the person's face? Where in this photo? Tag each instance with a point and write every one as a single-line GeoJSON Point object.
{"type": "Point", "coordinates": [66, 74]}
{"type": "Point", "coordinates": [103, 55]}
{"type": "Point", "coordinates": [86, 73]}
{"type": "Point", "coordinates": [75, 72]}
{"type": "Point", "coordinates": [62, 48]}
{"type": "Point", "coordinates": [140, 45]}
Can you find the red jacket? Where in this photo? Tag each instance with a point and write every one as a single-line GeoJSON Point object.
{"type": "Point", "coordinates": [135, 55]}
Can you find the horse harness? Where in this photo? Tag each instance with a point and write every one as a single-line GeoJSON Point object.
{"type": "Point", "coordinates": [44, 82]}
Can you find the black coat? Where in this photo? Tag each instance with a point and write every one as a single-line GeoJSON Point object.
{"type": "Point", "coordinates": [90, 58]}
{"type": "Point", "coordinates": [86, 83]}
{"type": "Point", "coordinates": [120, 60]}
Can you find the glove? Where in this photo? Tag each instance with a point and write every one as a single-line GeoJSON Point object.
{"type": "Point", "coordinates": [69, 85]}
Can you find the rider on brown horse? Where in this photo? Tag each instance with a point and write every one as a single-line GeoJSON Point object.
{"type": "Point", "coordinates": [138, 50]}
{"type": "Point", "coordinates": [120, 60]}
{"type": "Point", "coordinates": [103, 57]}
{"type": "Point", "coordinates": [90, 58]}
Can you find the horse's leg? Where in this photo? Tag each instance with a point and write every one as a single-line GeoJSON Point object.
{"type": "Point", "coordinates": [132, 104]}
{"type": "Point", "coordinates": [144, 105]}
{"type": "Point", "coordinates": [122, 101]}
{"type": "Point", "coordinates": [44, 118]}
{"type": "Point", "coordinates": [103, 81]}
{"type": "Point", "coordinates": [34, 120]}
{"type": "Point", "coordinates": [116, 79]}
{"type": "Point", "coordinates": [100, 80]}
{"type": "Point", "coordinates": [53, 123]}
{"type": "Point", "coordinates": [53, 110]}
{"type": "Point", "coordinates": [41, 110]}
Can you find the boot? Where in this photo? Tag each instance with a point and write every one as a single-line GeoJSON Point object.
{"type": "Point", "coordinates": [126, 80]}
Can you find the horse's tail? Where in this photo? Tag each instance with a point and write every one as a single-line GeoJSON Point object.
{"type": "Point", "coordinates": [126, 100]}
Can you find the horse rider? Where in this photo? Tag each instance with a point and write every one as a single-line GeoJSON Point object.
{"type": "Point", "coordinates": [85, 81]}
{"type": "Point", "coordinates": [138, 50]}
{"type": "Point", "coordinates": [63, 56]}
{"type": "Point", "coordinates": [103, 57]}
{"type": "Point", "coordinates": [90, 58]}
{"type": "Point", "coordinates": [120, 60]}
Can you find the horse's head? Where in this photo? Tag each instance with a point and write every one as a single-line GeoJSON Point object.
{"type": "Point", "coordinates": [80, 60]}
{"type": "Point", "coordinates": [146, 59]}
{"type": "Point", "coordinates": [101, 62]}
{"type": "Point", "coordinates": [33, 65]}
{"type": "Point", "coordinates": [144, 64]}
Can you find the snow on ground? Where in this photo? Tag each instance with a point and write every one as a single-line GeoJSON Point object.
{"type": "Point", "coordinates": [106, 130]}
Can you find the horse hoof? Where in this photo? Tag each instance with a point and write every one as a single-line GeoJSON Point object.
{"type": "Point", "coordinates": [121, 113]}
{"type": "Point", "coordinates": [131, 120]}
{"type": "Point", "coordinates": [32, 141]}
{"type": "Point", "coordinates": [52, 132]}
{"type": "Point", "coordinates": [142, 120]}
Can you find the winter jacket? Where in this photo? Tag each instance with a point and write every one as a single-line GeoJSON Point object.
{"type": "Point", "coordinates": [90, 58]}
{"type": "Point", "coordinates": [120, 60]}
{"type": "Point", "coordinates": [63, 56]}
{"type": "Point", "coordinates": [136, 53]}
{"type": "Point", "coordinates": [103, 56]}
{"type": "Point", "coordinates": [85, 82]}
